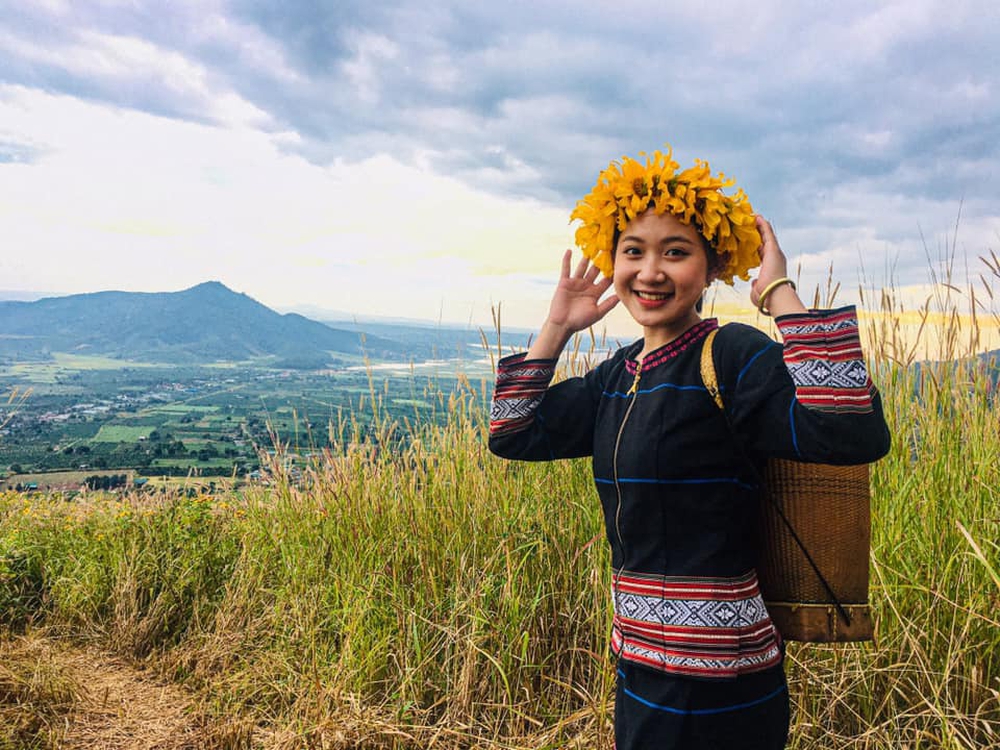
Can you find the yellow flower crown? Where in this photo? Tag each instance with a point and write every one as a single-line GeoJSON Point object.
{"type": "Point", "coordinates": [625, 190]}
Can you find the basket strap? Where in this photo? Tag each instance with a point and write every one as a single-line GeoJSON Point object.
{"type": "Point", "coordinates": [708, 375]}
{"type": "Point", "coordinates": [711, 381]}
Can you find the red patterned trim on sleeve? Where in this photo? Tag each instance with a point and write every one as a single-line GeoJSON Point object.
{"type": "Point", "coordinates": [823, 355]}
{"type": "Point", "coordinates": [521, 383]}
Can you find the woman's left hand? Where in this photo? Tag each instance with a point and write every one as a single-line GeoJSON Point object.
{"type": "Point", "coordinates": [773, 266]}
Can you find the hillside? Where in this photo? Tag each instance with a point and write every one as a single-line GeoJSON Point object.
{"type": "Point", "coordinates": [208, 322]}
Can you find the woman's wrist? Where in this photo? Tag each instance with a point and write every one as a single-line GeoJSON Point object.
{"type": "Point", "coordinates": [550, 342]}
{"type": "Point", "coordinates": [783, 300]}
{"type": "Point", "coordinates": [769, 287]}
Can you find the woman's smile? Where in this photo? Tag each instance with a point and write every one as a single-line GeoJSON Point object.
{"type": "Point", "coordinates": [651, 299]}
{"type": "Point", "coordinates": [660, 271]}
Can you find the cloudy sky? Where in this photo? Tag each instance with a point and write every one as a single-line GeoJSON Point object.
{"type": "Point", "coordinates": [421, 159]}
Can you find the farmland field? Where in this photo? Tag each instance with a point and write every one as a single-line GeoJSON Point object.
{"type": "Point", "coordinates": [182, 409]}
{"type": "Point", "coordinates": [210, 420]}
{"type": "Point", "coordinates": [120, 434]}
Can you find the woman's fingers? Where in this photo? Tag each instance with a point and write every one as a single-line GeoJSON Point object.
{"type": "Point", "coordinates": [773, 263]}
{"type": "Point", "coordinates": [584, 270]}
{"type": "Point", "coordinates": [768, 240]}
{"type": "Point", "coordinates": [605, 306]}
{"type": "Point", "coordinates": [567, 256]}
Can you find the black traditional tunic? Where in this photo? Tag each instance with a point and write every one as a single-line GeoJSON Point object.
{"type": "Point", "coordinates": [678, 495]}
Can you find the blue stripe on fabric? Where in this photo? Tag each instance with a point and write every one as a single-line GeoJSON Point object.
{"type": "Point", "coordinates": [752, 360]}
{"type": "Point", "coordinates": [642, 480]}
{"type": "Point", "coordinates": [619, 394]}
{"type": "Point", "coordinates": [791, 424]}
{"type": "Point", "coordinates": [701, 711]}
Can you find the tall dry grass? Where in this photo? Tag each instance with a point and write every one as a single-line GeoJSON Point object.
{"type": "Point", "coordinates": [434, 596]}
{"type": "Point", "coordinates": [9, 407]}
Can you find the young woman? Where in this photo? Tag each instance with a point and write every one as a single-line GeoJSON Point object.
{"type": "Point", "coordinates": [699, 662]}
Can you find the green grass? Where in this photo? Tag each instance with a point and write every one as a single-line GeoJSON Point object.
{"type": "Point", "coordinates": [182, 409]}
{"type": "Point", "coordinates": [417, 402]}
{"type": "Point", "coordinates": [190, 463]}
{"type": "Point", "coordinates": [445, 591]}
{"type": "Point", "coordinates": [111, 433]}
{"type": "Point", "coordinates": [195, 444]}
{"type": "Point", "coordinates": [61, 364]}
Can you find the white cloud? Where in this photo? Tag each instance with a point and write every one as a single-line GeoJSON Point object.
{"type": "Point", "coordinates": [128, 200]}
{"type": "Point", "coordinates": [364, 69]}
{"type": "Point", "coordinates": [380, 155]}
{"type": "Point", "coordinates": [125, 63]}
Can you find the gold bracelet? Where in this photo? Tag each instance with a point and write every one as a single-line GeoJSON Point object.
{"type": "Point", "coordinates": [762, 300]}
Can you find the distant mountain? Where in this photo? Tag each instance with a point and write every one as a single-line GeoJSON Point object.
{"type": "Point", "coordinates": [987, 365]}
{"type": "Point", "coordinates": [20, 294]}
{"type": "Point", "coordinates": [991, 366]}
{"type": "Point", "coordinates": [440, 339]}
{"type": "Point", "coordinates": [437, 341]}
{"type": "Point", "coordinates": [208, 322]}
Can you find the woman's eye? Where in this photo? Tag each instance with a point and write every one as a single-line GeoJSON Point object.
{"type": "Point", "coordinates": [630, 250]}
{"type": "Point", "coordinates": [675, 251]}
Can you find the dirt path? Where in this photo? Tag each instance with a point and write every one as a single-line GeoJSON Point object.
{"type": "Point", "coordinates": [56, 695]}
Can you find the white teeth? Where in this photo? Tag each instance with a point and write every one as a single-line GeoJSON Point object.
{"type": "Point", "coordinates": [651, 295]}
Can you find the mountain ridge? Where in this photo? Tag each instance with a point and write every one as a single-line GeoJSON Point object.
{"type": "Point", "coordinates": [206, 322]}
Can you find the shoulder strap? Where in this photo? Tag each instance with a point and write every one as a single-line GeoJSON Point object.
{"type": "Point", "coordinates": [708, 375]}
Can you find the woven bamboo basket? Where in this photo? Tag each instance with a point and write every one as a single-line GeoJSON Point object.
{"type": "Point", "coordinates": [815, 586]}
{"type": "Point", "coordinates": [829, 507]}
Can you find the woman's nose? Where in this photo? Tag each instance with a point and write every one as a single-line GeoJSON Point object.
{"type": "Point", "coordinates": [651, 270]}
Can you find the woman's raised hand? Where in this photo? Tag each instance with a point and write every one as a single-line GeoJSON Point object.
{"type": "Point", "coordinates": [576, 303]}
{"type": "Point", "coordinates": [773, 266]}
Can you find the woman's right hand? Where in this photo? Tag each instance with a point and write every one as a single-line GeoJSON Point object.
{"type": "Point", "coordinates": [576, 305]}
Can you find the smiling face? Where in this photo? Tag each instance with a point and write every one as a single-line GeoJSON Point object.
{"type": "Point", "coordinates": [661, 269]}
